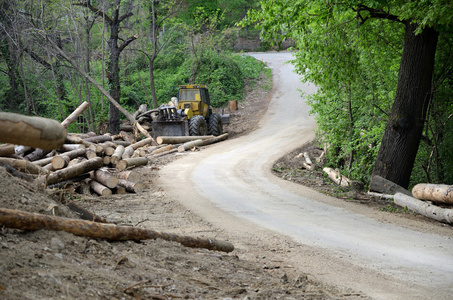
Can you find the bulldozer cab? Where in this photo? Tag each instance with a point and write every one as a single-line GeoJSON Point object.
{"type": "Point", "coordinates": [194, 98]}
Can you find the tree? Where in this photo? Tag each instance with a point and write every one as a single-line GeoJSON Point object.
{"type": "Point", "coordinates": [422, 21]}
{"type": "Point", "coordinates": [113, 70]}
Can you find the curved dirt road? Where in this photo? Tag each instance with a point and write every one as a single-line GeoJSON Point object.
{"type": "Point", "coordinates": [230, 185]}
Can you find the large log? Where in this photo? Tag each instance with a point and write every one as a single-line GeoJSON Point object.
{"type": "Point", "coordinates": [31, 221]}
{"type": "Point", "coordinates": [131, 162]}
{"type": "Point", "coordinates": [106, 178]}
{"type": "Point", "coordinates": [382, 185]}
{"type": "Point", "coordinates": [75, 170]}
{"type": "Point", "coordinates": [128, 152]}
{"type": "Point", "coordinates": [434, 192]}
{"type": "Point", "coordinates": [180, 139]}
{"type": "Point", "coordinates": [60, 161]}
{"type": "Point", "coordinates": [424, 208]}
{"type": "Point", "coordinates": [35, 132]}
{"type": "Point", "coordinates": [144, 142]}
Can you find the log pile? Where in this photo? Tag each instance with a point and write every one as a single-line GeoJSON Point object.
{"type": "Point", "coordinates": [430, 200]}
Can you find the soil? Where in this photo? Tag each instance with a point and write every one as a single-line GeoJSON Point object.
{"type": "Point", "coordinates": [58, 265]}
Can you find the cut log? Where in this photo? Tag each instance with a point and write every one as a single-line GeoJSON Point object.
{"type": "Point", "coordinates": [163, 149]}
{"type": "Point", "coordinates": [180, 139]}
{"type": "Point", "coordinates": [99, 188]}
{"type": "Point", "coordinates": [60, 161]}
{"type": "Point", "coordinates": [74, 115]}
{"type": "Point", "coordinates": [131, 162]}
{"type": "Point", "coordinates": [107, 160]}
{"type": "Point", "coordinates": [128, 151]}
{"type": "Point", "coordinates": [106, 178]}
{"type": "Point", "coordinates": [382, 185]}
{"type": "Point", "coordinates": [37, 154]}
{"type": "Point", "coordinates": [31, 221]}
{"type": "Point", "coordinates": [119, 190]}
{"type": "Point", "coordinates": [97, 148]}
{"type": "Point", "coordinates": [434, 192]}
{"type": "Point", "coordinates": [199, 143]}
{"type": "Point", "coordinates": [337, 177]}
{"type": "Point", "coordinates": [144, 142]}
{"type": "Point", "coordinates": [35, 132]}
{"type": "Point", "coordinates": [85, 214]}
{"type": "Point", "coordinates": [75, 170]}
{"type": "Point", "coordinates": [165, 153]}
{"type": "Point", "coordinates": [378, 195]}
{"type": "Point", "coordinates": [424, 208]}
{"type": "Point", "coordinates": [131, 186]}
{"type": "Point", "coordinates": [24, 166]}
{"type": "Point", "coordinates": [117, 155]}
{"type": "Point", "coordinates": [21, 150]}
{"type": "Point", "coordinates": [90, 154]}
{"type": "Point", "coordinates": [7, 149]}
{"type": "Point", "coordinates": [76, 161]}
{"type": "Point", "coordinates": [99, 139]}
{"type": "Point", "coordinates": [130, 175]}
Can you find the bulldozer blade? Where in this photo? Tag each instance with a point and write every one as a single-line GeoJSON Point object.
{"type": "Point", "coordinates": [170, 128]}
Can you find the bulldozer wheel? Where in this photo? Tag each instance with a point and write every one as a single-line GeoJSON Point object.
{"type": "Point", "coordinates": [197, 125]}
{"type": "Point", "coordinates": [215, 125]}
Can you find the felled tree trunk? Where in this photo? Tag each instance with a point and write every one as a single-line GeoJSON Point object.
{"type": "Point", "coordinates": [24, 166]}
{"type": "Point", "coordinates": [337, 177]}
{"type": "Point", "coordinates": [131, 186]}
{"type": "Point", "coordinates": [434, 192]}
{"type": "Point", "coordinates": [35, 132]}
{"type": "Point", "coordinates": [106, 178]}
{"type": "Point", "coordinates": [131, 162]}
{"type": "Point", "coordinates": [117, 155]}
{"type": "Point", "coordinates": [199, 143]}
{"type": "Point", "coordinates": [75, 170]}
{"type": "Point", "coordinates": [424, 208]}
{"type": "Point", "coordinates": [30, 221]}
{"type": "Point", "coordinates": [180, 139]}
{"type": "Point", "coordinates": [131, 176]}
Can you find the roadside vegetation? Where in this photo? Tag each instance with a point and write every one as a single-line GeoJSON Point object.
{"type": "Point", "coordinates": [384, 104]}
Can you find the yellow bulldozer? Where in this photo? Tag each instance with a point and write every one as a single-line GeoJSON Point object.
{"type": "Point", "coordinates": [191, 115]}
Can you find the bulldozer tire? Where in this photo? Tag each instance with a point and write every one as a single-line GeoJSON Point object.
{"type": "Point", "coordinates": [197, 125]}
{"type": "Point", "coordinates": [215, 127]}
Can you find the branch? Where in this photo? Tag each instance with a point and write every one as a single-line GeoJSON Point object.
{"type": "Point", "coordinates": [97, 11]}
{"type": "Point", "coordinates": [375, 13]}
{"type": "Point", "coordinates": [127, 42]}
{"type": "Point", "coordinates": [123, 17]}
{"type": "Point", "coordinates": [33, 55]}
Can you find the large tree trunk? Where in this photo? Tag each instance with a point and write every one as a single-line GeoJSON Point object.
{"type": "Point", "coordinates": [404, 128]}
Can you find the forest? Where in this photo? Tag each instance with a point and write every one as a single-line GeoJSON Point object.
{"type": "Point", "coordinates": [383, 68]}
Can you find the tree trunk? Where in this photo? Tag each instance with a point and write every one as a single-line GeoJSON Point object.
{"type": "Point", "coordinates": [403, 131]}
{"type": "Point", "coordinates": [434, 192]}
{"type": "Point", "coordinates": [382, 185]}
{"type": "Point", "coordinates": [30, 221]}
{"type": "Point", "coordinates": [35, 132]}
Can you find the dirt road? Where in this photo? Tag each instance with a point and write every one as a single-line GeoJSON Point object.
{"type": "Point", "coordinates": [230, 185]}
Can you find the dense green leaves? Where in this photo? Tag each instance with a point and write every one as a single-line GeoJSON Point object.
{"type": "Point", "coordinates": [351, 50]}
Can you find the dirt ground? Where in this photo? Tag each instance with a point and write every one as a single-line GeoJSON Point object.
{"type": "Point", "coordinates": [59, 265]}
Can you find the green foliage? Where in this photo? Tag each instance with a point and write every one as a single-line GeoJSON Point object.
{"type": "Point", "coordinates": [354, 59]}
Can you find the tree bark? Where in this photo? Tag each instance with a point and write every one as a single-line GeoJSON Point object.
{"type": "Point", "coordinates": [31, 221]}
{"type": "Point", "coordinates": [35, 132]}
{"type": "Point", "coordinates": [404, 128]}
{"type": "Point", "coordinates": [424, 208]}
{"type": "Point", "coordinates": [434, 192]}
